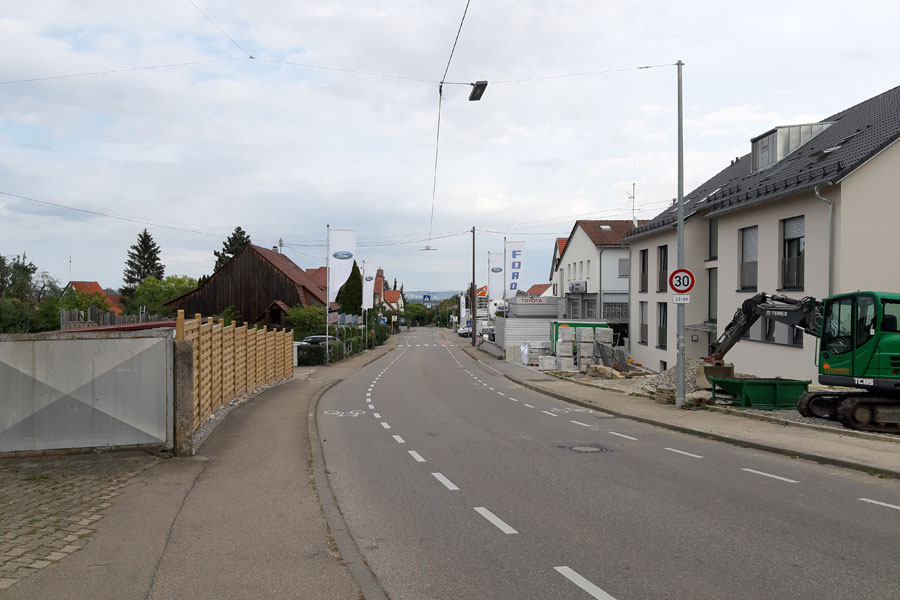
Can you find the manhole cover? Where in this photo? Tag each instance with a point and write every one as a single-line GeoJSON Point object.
{"type": "Point", "coordinates": [587, 448]}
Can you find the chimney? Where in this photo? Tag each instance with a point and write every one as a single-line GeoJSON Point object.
{"type": "Point", "coordinates": [275, 249]}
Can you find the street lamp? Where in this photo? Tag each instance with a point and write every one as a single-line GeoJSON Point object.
{"type": "Point", "coordinates": [477, 90]}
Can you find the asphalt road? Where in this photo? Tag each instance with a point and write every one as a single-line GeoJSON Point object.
{"type": "Point", "coordinates": [457, 483]}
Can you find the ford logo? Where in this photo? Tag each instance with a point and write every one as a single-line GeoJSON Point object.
{"type": "Point", "coordinates": [342, 255]}
{"type": "Point", "coordinates": [369, 278]}
{"type": "Point", "coordinates": [496, 269]}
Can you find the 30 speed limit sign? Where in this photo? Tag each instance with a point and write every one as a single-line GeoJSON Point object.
{"type": "Point", "coordinates": [681, 281]}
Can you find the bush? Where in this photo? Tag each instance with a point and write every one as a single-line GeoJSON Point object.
{"type": "Point", "coordinates": [311, 355]}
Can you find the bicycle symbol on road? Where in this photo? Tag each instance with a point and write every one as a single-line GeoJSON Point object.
{"type": "Point", "coordinates": [349, 413]}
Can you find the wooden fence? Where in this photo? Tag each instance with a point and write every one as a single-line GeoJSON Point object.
{"type": "Point", "coordinates": [230, 361]}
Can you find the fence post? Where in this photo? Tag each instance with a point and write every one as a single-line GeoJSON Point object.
{"type": "Point", "coordinates": [179, 325]}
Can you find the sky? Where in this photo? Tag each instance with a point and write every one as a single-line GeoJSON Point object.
{"type": "Point", "coordinates": [334, 120]}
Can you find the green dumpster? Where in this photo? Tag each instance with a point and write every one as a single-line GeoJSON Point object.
{"type": "Point", "coordinates": [764, 394]}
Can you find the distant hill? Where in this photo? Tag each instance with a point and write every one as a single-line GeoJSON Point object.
{"type": "Point", "coordinates": [417, 295]}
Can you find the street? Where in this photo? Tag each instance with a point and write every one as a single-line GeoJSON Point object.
{"type": "Point", "coordinates": [457, 483]}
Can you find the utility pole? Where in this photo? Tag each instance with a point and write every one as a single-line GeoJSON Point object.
{"type": "Point", "coordinates": [679, 371]}
{"type": "Point", "coordinates": [474, 327]}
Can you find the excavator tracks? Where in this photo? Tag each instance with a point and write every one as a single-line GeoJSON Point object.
{"type": "Point", "coordinates": [854, 411]}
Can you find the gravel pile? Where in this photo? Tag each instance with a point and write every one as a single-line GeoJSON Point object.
{"type": "Point", "coordinates": [667, 378]}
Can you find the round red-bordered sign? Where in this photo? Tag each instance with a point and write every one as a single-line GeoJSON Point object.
{"type": "Point", "coordinates": [681, 281]}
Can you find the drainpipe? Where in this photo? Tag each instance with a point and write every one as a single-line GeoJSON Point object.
{"type": "Point", "coordinates": [830, 239]}
{"type": "Point", "coordinates": [600, 286]}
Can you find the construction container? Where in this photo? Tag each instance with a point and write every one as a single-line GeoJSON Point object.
{"type": "Point", "coordinates": [764, 394]}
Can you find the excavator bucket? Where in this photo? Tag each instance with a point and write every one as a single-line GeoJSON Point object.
{"type": "Point", "coordinates": [713, 369]}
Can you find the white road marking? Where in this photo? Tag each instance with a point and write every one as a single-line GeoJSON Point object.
{"type": "Point", "coordinates": [627, 437]}
{"type": "Point", "coordinates": [495, 520]}
{"type": "Point", "coordinates": [501, 393]}
{"type": "Point", "coordinates": [547, 412]}
{"type": "Point", "coordinates": [416, 456]}
{"type": "Point", "coordinates": [683, 452]}
{"type": "Point", "coordinates": [580, 423]}
{"type": "Point", "coordinates": [418, 345]}
{"type": "Point", "coordinates": [894, 506]}
{"type": "Point", "coordinates": [770, 475]}
{"type": "Point", "coordinates": [484, 384]}
{"type": "Point", "coordinates": [371, 406]}
{"type": "Point", "coordinates": [583, 583]}
{"type": "Point", "coordinates": [492, 389]}
{"type": "Point", "coordinates": [528, 405]}
{"type": "Point", "coordinates": [385, 425]}
{"type": "Point", "coordinates": [447, 483]}
{"type": "Point", "coordinates": [368, 394]}
{"type": "Point", "coordinates": [513, 399]}
{"type": "Point", "coordinates": [376, 415]}
{"type": "Point", "coordinates": [399, 439]}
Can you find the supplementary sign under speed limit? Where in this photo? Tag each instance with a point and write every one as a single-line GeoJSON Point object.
{"type": "Point", "coordinates": [681, 281]}
{"type": "Point", "coordinates": [681, 298]}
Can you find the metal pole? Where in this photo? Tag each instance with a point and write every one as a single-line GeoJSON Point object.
{"type": "Point", "coordinates": [472, 332]}
{"type": "Point", "coordinates": [327, 252]}
{"type": "Point", "coordinates": [679, 382]}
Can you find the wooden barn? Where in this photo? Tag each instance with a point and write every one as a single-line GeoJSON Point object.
{"type": "Point", "coordinates": [261, 283]}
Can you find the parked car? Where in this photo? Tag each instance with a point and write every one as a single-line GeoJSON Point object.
{"type": "Point", "coordinates": [464, 331]}
{"type": "Point", "coordinates": [314, 340]}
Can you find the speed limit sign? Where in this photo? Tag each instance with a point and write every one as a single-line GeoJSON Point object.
{"type": "Point", "coordinates": [681, 281]}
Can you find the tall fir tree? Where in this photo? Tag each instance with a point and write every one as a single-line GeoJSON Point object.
{"type": "Point", "coordinates": [350, 295]}
{"type": "Point", "coordinates": [395, 284]}
{"type": "Point", "coordinates": [234, 244]}
{"type": "Point", "coordinates": [143, 262]}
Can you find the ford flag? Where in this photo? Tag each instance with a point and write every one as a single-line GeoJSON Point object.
{"type": "Point", "coordinates": [368, 288]}
{"type": "Point", "coordinates": [341, 247]}
{"type": "Point", "coordinates": [495, 275]}
{"type": "Point", "coordinates": [515, 258]}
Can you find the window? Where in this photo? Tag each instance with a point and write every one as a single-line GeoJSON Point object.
{"type": "Point", "coordinates": [663, 366]}
{"type": "Point", "coordinates": [590, 309]}
{"type": "Point", "coordinates": [712, 276]}
{"type": "Point", "coordinates": [662, 260]}
{"type": "Point", "coordinates": [587, 274]}
{"type": "Point", "coordinates": [865, 319]}
{"type": "Point", "coordinates": [644, 267]}
{"type": "Point", "coordinates": [713, 250]}
{"type": "Point", "coordinates": [769, 329]}
{"type": "Point", "coordinates": [643, 332]}
{"type": "Point", "coordinates": [580, 269]}
{"type": "Point", "coordinates": [836, 330]}
{"type": "Point", "coordinates": [891, 315]}
{"type": "Point", "coordinates": [575, 304]}
{"type": "Point", "coordinates": [772, 146]}
{"type": "Point", "coordinates": [793, 246]}
{"type": "Point", "coordinates": [662, 323]}
{"type": "Point", "coordinates": [749, 247]}
{"type": "Point", "coordinates": [624, 267]}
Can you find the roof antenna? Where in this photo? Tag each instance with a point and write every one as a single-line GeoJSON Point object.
{"type": "Point", "coordinates": [634, 220]}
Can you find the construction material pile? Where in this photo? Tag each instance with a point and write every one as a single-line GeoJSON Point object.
{"type": "Point", "coordinates": [667, 378]}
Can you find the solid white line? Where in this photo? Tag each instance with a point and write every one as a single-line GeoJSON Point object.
{"type": "Point", "coordinates": [495, 520]}
{"type": "Point", "coordinates": [583, 583]}
{"type": "Point", "coordinates": [399, 439]}
{"type": "Point", "coordinates": [416, 456]}
{"type": "Point", "coordinates": [528, 405]}
{"type": "Point", "coordinates": [627, 437]}
{"type": "Point", "coordinates": [501, 393]}
{"type": "Point", "coordinates": [580, 423]}
{"type": "Point", "coordinates": [447, 483]}
{"type": "Point", "coordinates": [376, 415]}
{"type": "Point", "coordinates": [894, 506]}
{"type": "Point", "coordinates": [385, 425]}
{"type": "Point", "coordinates": [683, 452]}
{"type": "Point", "coordinates": [547, 412]}
{"type": "Point", "coordinates": [371, 406]}
{"type": "Point", "coordinates": [770, 475]}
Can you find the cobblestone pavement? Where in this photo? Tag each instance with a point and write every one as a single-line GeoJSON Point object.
{"type": "Point", "coordinates": [49, 506]}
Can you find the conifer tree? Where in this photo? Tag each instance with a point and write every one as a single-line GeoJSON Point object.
{"type": "Point", "coordinates": [234, 244]}
{"type": "Point", "coordinates": [350, 295]}
{"type": "Point", "coordinates": [143, 261]}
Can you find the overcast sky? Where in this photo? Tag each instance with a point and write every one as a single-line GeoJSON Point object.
{"type": "Point", "coordinates": [282, 150]}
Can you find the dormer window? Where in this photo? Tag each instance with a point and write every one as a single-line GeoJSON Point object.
{"type": "Point", "coordinates": [772, 146]}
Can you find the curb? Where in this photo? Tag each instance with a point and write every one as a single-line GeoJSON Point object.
{"type": "Point", "coordinates": [712, 436]}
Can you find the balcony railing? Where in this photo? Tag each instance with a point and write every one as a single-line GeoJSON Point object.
{"type": "Point", "coordinates": [748, 275]}
{"type": "Point", "coordinates": [644, 332]}
{"type": "Point", "coordinates": [662, 280]}
{"type": "Point", "coordinates": [661, 337]}
{"type": "Point", "coordinates": [792, 272]}
{"type": "Point", "coordinates": [644, 275]}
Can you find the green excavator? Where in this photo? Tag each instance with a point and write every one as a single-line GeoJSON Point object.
{"type": "Point", "coordinates": [858, 350]}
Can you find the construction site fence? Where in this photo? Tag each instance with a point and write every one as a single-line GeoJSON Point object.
{"type": "Point", "coordinates": [231, 360]}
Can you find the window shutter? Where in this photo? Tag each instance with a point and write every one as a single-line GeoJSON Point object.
{"type": "Point", "coordinates": [793, 228]}
{"type": "Point", "coordinates": [623, 267]}
{"type": "Point", "coordinates": [749, 244]}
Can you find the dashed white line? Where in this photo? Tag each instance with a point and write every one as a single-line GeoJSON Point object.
{"type": "Point", "coordinates": [447, 483]}
{"type": "Point", "coordinates": [399, 439]}
{"type": "Point", "coordinates": [376, 415]}
{"type": "Point", "coordinates": [683, 452]}
{"type": "Point", "coordinates": [371, 406]}
{"type": "Point", "coordinates": [528, 405]}
{"type": "Point", "coordinates": [492, 389]}
{"type": "Point", "coordinates": [495, 520]}
{"type": "Point", "coordinates": [547, 412]}
{"type": "Point", "coordinates": [770, 475]}
{"type": "Point", "coordinates": [501, 393]}
{"type": "Point", "coordinates": [885, 504]}
{"type": "Point", "coordinates": [583, 583]}
{"type": "Point", "coordinates": [627, 437]}
{"type": "Point", "coordinates": [513, 399]}
{"type": "Point", "coordinates": [580, 423]}
{"type": "Point", "coordinates": [484, 384]}
{"type": "Point", "coordinates": [416, 456]}
{"type": "Point", "coordinates": [385, 425]}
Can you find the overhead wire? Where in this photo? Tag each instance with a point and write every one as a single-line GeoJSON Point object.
{"type": "Point", "coordinates": [124, 70]}
{"type": "Point", "coordinates": [238, 46]}
{"type": "Point", "coordinates": [582, 74]}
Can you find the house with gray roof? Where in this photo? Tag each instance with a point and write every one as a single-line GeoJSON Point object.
{"type": "Point", "coordinates": [811, 210]}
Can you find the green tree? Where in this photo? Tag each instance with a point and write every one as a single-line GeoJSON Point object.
{"type": "Point", "coordinates": [417, 314]}
{"type": "Point", "coordinates": [152, 294]}
{"type": "Point", "coordinates": [143, 262]}
{"type": "Point", "coordinates": [17, 316]}
{"type": "Point", "coordinates": [234, 244]}
{"type": "Point", "coordinates": [16, 277]}
{"type": "Point", "coordinates": [307, 320]}
{"type": "Point", "coordinates": [350, 294]}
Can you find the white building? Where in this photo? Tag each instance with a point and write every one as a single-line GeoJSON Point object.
{"type": "Point", "coordinates": [809, 211]}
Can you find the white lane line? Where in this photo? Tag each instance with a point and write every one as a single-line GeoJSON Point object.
{"type": "Point", "coordinates": [501, 393]}
{"type": "Point", "coordinates": [399, 439]}
{"type": "Point", "coordinates": [547, 412]}
{"type": "Point", "coordinates": [770, 475]}
{"type": "Point", "coordinates": [371, 406]}
{"type": "Point", "coordinates": [416, 456]}
{"type": "Point", "coordinates": [484, 384]}
{"type": "Point", "coordinates": [580, 423]}
{"type": "Point", "coordinates": [683, 452]}
{"type": "Point", "coordinates": [894, 506]}
{"type": "Point", "coordinates": [385, 425]}
{"type": "Point", "coordinates": [583, 583]}
{"type": "Point", "coordinates": [495, 520]}
{"type": "Point", "coordinates": [528, 405]}
{"type": "Point", "coordinates": [627, 437]}
{"type": "Point", "coordinates": [492, 389]}
{"type": "Point", "coordinates": [368, 394]}
{"type": "Point", "coordinates": [447, 483]}
{"type": "Point", "coordinates": [376, 415]}
{"type": "Point", "coordinates": [513, 399]}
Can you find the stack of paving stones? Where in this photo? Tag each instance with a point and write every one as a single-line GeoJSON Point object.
{"type": "Point", "coordinates": [564, 340]}
{"type": "Point", "coordinates": [585, 337]}
{"type": "Point", "coordinates": [49, 506]}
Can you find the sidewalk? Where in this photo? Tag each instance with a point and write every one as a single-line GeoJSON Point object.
{"type": "Point", "coordinates": [240, 519]}
{"type": "Point", "coordinates": [856, 450]}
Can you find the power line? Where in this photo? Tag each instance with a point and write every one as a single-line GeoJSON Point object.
{"type": "Point", "coordinates": [238, 46]}
{"type": "Point", "coordinates": [452, 50]}
{"type": "Point", "coordinates": [582, 74]}
{"type": "Point", "coordinates": [125, 70]}
{"type": "Point", "coordinates": [353, 71]}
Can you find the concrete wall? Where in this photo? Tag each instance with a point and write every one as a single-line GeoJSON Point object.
{"type": "Point", "coordinates": [69, 390]}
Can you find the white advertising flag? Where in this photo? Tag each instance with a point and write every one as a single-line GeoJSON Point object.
{"type": "Point", "coordinates": [341, 247]}
{"type": "Point", "coordinates": [368, 292]}
{"type": "Point", "coordinates": [495, 275]}
{"type": "Point", "coordinates": [515, 258]}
